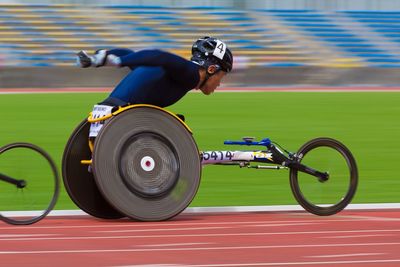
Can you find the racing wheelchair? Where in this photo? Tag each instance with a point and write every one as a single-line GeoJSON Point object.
{"type": "Point", "coordinates": [145, 164]}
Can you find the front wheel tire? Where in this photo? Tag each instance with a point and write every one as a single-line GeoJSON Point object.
{"type": "Point", "coordinates": [332, 196]}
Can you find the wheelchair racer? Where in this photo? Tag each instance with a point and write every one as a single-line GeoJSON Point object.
{"type": "Point", "coordinates": [161, 78]}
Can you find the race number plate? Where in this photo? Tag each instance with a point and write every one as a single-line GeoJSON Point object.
{"type": "Point", "coordinates": [213, 157]}
{"type": "Point", "coordinates": [220, 49]}
{"type": "Point", "coordinates": [99, 111]}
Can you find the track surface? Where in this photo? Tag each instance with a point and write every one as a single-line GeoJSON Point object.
{"type": "Point", "coordinates": [351, 238]}
{"type": "Point", "coordinates": [363, 238]}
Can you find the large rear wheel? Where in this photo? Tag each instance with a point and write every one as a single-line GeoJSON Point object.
{"type": "Point", "coordinates": [146, 164]}
{"type": "Point", "coordinates": [79, 181]}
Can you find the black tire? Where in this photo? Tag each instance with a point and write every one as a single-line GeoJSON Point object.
{"type": "Point", "coordinates": [146, 164]}
{"type": "Point", "coordinates": [325, 155]}
{"type": "Point", "coordinates": [78, 181]}
{"type": "Point", "coordinates": [38, 212]}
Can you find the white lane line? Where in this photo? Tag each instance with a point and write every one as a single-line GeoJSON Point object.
{"type": "Point", "coordinates": [163, 229]}
{"type": "Point", "coordinates": [284, 224]}
{"type": "Point", "coordinates": [177, 223]}
{"type": "Point", "coordinates": [346, 255]}
{"type": "Point", "coordinates": [235, 209]}
{"type": "Point", "coordinates": [372, 218]}
{"type": "Point", "coordinates": [211, 235]}
{"type": "Point", "coordinates": [287, 208]}
{"type": "Point", "coordinates": [155, 265]}
{"type": "Point", "coordinates": [352, 236]}
{"type": "Point", "coordinates": [25, 235]}
{"type": "Point", "coordinates": [198, 228]}
{"type": "Point", "coordinates": [176, 244]}
{"type": "Point", "coordinates": [229, 248]}
{"type": "Point", "coordinates": [307, 263]}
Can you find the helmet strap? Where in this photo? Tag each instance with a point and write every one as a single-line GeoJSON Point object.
{"type": "Point", "coordinates": [208, 75]}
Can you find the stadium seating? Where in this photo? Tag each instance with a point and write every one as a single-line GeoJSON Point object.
{"type": "Point", "coordinates": [348, 35]}
{"type": "Point", "coordinates": [50, 35]}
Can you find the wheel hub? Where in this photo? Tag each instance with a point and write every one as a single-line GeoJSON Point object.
{"type": "Point", "coordinates": [148, 165]}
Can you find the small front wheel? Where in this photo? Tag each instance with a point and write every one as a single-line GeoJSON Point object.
{"type": "Point", "coordinates": [29, 183]}
{"type": "Point", "coordinates": [332, 195]}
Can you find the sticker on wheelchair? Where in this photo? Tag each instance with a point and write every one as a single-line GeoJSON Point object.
{"type": "Point", "coordinates": [99, 111]}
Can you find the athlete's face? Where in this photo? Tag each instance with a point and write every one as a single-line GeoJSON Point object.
{"type": "Point", "coordinates": [213, 82]}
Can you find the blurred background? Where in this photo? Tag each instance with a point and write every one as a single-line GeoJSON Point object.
{"type": "Point", "coordinates": [283, 44]}
{"type": "Point", "coordinates": [275, 42]}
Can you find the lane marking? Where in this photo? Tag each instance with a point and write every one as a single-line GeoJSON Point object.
{"type": "Point", "coordinates": [234, 209]}
{"type": "Point", "coordinates": [352, 236]}
{"type": "Point", "coordinates": [275, 263]}
{"type": "Point", "coordinates": [346, 255]}
{"type": "Point", "coordinates": [285, 224]}
{"type": "Point", "coordinates": [198, 235]}
{"type": "Point", "coordinates": [25, 235]}
{"type": "Point", "coordinates": [163, 229]}
{"type": "Point", "coordinates": [155, 265]}
{"type": "Point", "coordinates": [301, 246]}
{"type": "Point", "coordinates": [373, 218]}
{"type": "Point", "coordinates": [176, 244]}
{"type": "Point", "coordinates": [136, 225]}
{"type": "Point", "coordinates": [312, 219]}
{"type": "Point", "coordinates": [201, 228]}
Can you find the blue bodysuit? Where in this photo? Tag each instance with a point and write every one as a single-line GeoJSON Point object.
{"type": "Point", "coordinates": [157, 78]}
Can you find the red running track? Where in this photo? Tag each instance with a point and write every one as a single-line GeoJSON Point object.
{"type": "Point", "coordinates": [351, 238]}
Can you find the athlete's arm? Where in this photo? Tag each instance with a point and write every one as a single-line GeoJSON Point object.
{"type": "Point", "coordinates": [177, 67]}
{"type": "Point", "coordinates": [120, 52]}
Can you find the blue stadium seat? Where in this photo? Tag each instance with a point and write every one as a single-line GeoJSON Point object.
{"type": "Point", "coordinates": [49, 35]}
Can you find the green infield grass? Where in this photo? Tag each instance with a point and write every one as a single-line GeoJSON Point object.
{"type": "Point", "coordinates": [367, 122]}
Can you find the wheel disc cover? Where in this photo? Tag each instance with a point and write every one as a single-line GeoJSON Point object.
{"type": "Point", "coordinates": [146, 164]}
